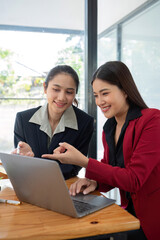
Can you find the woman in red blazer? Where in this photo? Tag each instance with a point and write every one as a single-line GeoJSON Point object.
{"type": "Point", "coordinates": [131, 139]}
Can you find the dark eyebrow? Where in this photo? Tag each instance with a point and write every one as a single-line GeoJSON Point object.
{"type": "Point", "coordinates": [102, 90]}
{"type": "Point", "coordinates": [56, 85]}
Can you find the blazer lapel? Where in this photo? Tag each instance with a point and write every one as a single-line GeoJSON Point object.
{"type": "Point", "coordinates": [42, 139]}
{"type": "Point", "coordinates": [128, 142]}
{"type": "Point", "coordinates": [56, 139]}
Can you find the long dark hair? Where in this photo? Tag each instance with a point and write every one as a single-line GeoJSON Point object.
{"type": "Point", "coordinates": [117, 73]}
{"type": "Point", "coordinates": [63, 69]}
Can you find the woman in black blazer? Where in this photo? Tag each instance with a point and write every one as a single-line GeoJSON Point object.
{"type": "Point", "coordinates": [39, 130]}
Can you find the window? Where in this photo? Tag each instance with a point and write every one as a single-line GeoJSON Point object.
{"type": "Point", "coordinates": [141, 52]}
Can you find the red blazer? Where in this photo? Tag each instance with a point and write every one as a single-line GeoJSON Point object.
{"type": "Point", "coordinates": [141, 175]}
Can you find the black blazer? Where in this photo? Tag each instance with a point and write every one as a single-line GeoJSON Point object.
{"type": "Point", "coordinates": [38, 140]}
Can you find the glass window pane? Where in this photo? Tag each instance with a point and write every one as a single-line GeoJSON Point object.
{"type": "Point", "coordinates": [141, 53]}
{"type": "Point", "coordinates": [107, 51]}
{"type": "Point", "coordinates": [107, 47]}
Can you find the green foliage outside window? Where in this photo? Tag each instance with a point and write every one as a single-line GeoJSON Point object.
{"type": "Point", "coordinates": [14, 86]}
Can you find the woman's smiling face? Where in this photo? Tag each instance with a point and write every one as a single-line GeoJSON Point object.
{"type": "Point", "coordinates": [111, 100]}
{"type": "Point", "coordinates": [60, 93]}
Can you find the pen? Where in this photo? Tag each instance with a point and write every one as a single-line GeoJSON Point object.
{"type": "Point", "coordinates": [13, 202]}
{"type": "Point", "coordinates": [18, 149]}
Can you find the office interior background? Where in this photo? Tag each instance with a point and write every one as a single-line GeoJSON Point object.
{"type": "Point", "coordinates": [36, 35]}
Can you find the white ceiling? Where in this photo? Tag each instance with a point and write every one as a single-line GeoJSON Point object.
{"type": "Point", "coordinates": [59, 14]}
{"type": "Point", "coordinates": [62, 14]}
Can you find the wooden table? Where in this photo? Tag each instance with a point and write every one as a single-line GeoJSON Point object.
{"type": "Point", "coordinates": [27, 221]}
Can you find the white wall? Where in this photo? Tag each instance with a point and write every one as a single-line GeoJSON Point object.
{"type": "Point", "coordinates": [111, 11]}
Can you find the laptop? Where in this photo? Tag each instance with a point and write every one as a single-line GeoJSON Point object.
{"type": "Point", "coordinates": [40, 182]}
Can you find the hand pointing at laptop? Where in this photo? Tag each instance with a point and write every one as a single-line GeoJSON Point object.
{"type": "Point", "coordinates": [67, 154]}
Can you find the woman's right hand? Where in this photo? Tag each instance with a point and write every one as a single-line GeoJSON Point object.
{"type": "Point", "coordinates": [24, 149]}
{"type": "Point", "coordinates": [83, 185]}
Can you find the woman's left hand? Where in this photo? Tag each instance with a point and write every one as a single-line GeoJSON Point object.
{"type": "Point", "coordinates": [66, 153]}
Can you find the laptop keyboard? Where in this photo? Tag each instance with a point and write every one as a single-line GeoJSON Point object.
{"type": "Point", "coordinates": [82, 206]}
